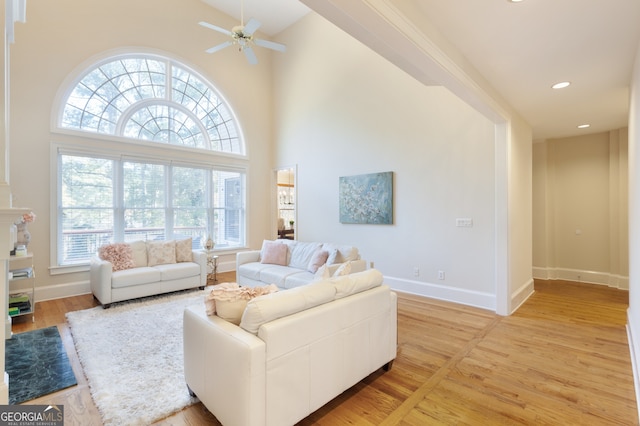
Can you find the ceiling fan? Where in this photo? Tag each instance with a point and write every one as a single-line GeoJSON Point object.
{"type": "Point", "coordinates": [242, 36]}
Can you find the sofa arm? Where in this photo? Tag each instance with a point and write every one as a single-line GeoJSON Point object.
{"type": "Point", "coordinates": [100, 279]}
{"type": "Point", "coordinates": [200, 257]}
{"type": "Point", "coordinates": [243, 257]}
{"type": "Point", "coordinates": [224, 366]}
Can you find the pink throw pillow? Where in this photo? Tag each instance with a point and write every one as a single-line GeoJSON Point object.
{"type": "Point", "coordinates": [274, 253]}
{"type": "Point", "coordinates": [228, 300]}
{"type": "Point", "coordinates": [119, 254]}
{"type": "Point", "coordinates": [319, 258]}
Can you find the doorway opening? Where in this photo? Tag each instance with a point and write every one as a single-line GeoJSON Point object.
{"type": "Point", "coordinates": [286, 202]}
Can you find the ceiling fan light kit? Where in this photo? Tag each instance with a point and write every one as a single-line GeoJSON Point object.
{"type": "Point", "coordinates": [242, 36]}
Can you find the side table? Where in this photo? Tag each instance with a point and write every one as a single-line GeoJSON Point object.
{"type": "Point", "coordinates": [212, 264]}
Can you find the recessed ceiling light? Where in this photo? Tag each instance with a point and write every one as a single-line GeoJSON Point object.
{"type": "Point", "coordinates": [515, 1]}
{"type": "Point", "coordinates": [584, 126]}
{"type": "Point", "coordinates": [561, 85]}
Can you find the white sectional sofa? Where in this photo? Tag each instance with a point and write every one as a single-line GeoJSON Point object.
{"type": "Point", "coordinates": [293, 351]}
{"type": "Point", "coordinates": [141, 269]}
{"type": "Point", "coordinates": [254, 269]}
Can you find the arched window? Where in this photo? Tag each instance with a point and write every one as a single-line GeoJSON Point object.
{"type": "Point", "coordinates": [152, 99]}
{"type": "Point", "coordinates": [173, 183]}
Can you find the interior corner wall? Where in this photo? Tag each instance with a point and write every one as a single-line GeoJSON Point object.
{"type": "Point", "coordinates": [60, 37]}
{"type": "Point", "coordinates": [633, 313]}
{"type": "Point", "coordinates": [343, 110]}
{"type": "Point", "coordinates": [580, 209]}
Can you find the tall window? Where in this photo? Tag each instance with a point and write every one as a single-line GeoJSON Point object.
{"type": "Point", "coordinates": [182, 184]}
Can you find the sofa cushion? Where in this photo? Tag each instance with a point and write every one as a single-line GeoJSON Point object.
{"type": "Point", "coordinates": [298, 279]}
{"type": "Point", "coordinates": [183, 250]}
{"type": "Point", "coordinates": [346, 285]}
{"type": "Point", "coordinates": [119, 255]}
{"type": "Point", "coordinates": [276, 274]}
{"type": "Point", "coordinates": [139, 249]}
{"type": "Point", "coordinates": [302, 253]}
{"type": "Point", "coordinates": [252, 270]}
{"type": "Point", "coordinates": [340, 253]}
{"type": "Point", "coordinates": [176, 271]}
{"type": "Point", "coordinates": [161, 252]}
{"type": "Point", "coordinates": [322, 273]}
{"type": "Point", "coordinates": [344, 269]}
{"type": "Point", "coordinates": [135, 276]}
{"type": "Point", "coordinates": [318, 259]}
{"type": "Point", "coordinates": [273, 253]}
{"type": "Point", "coordinates": [277, 305]}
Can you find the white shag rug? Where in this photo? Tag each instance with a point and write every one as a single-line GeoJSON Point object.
{"type": "Point", "coordinates": [132, 356]}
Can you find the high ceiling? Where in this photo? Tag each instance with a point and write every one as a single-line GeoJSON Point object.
{"type": "Point", "coordinates": [274, 15]}
{"type": "Point", "coordinates": [521, 49]}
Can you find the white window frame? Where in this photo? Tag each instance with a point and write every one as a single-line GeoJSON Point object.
{"type": "Point", "coordinates": [79, 142]}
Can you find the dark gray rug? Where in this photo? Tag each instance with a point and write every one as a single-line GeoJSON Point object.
{"type": "Point", "coordinates": [37, 364]}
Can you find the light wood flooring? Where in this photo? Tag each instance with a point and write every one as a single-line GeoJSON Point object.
{"type": "Point", "coordinates": [561, 359]}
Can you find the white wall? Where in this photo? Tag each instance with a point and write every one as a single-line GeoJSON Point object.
{"type": "Point", "coordinates": [519, 215]}
{"type": "Point", "coordinates": [633, 314]}
{"type": "Point", "coordinates": [336, 109]}
{"type": "Point", "coordinates": [581, 209]}
{"type": "Point", "coordinates": [341, 110]}
{"type": "Point", "coordinates": [62, 35]}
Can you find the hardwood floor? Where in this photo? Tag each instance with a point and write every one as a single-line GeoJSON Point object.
{"type": "Point", "coordinates": [561, 359]}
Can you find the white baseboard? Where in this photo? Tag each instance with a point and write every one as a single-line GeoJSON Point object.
{"type": "Point", "coordinates": [60, 291]}
{"type": "Point", "coordinates": [227, 266]}
{"type": "Point", "coordinates": [466, 297]}
{"type": "Point", "coordinates": [633, 335]}
{"type": "Point", "coordinates": [576, 275]}
{"type": "Point", "coordinates": [521, 295]}
{"type": "Point", "coordinates": [435, 291]}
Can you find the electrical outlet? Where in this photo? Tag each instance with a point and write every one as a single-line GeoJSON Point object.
{"type": "Point", "coordinates": [441, 275]}
{"type": "Point", "coordinates": [416, 272]}
{"type": "Point", "coordinates": [464, 222]}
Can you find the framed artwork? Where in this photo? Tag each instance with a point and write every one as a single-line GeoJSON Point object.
{"type": "Point", "coordinates": [367, 198]}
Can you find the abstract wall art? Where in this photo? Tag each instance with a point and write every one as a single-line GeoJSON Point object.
{"type": "Point", "coordinates": [367, 198]}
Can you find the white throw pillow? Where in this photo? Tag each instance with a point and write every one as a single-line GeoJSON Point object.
{"type": "Point", "coordinates": [340, 254]}
{"type": "Point", "coordinates": [139, 249]}
{"type": "Point", "coordinates": [344, 269]}
{"type": "Point", "coordinates": [161, 252]}
{"type": "Point", "coordinates": [322, 273]}
{"type": "Point", "coordinates": [183, 250]}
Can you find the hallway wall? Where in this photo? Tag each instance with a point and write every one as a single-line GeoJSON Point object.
{"type": "Point", "coordinates": [580, 220]}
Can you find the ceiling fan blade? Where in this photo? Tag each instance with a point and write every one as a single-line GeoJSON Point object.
{"type": "Point", "coordinates": [270, 45]}
{"type": "Point", "coordinates": [251, 55]}
{"type": "Point", "coordinates": [215, 28]}
{"type": "Point", "coordinates": [219, 47]}
{"type": "Point", "coordinates": [251, 27]}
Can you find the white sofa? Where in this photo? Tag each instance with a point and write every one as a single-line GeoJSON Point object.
{"type": "Point", "coordinates": [145, 277]}
{"type": "Point", "coordinates": [293, 350]}
{"type": "Point", "coordinates": [251, 271]}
